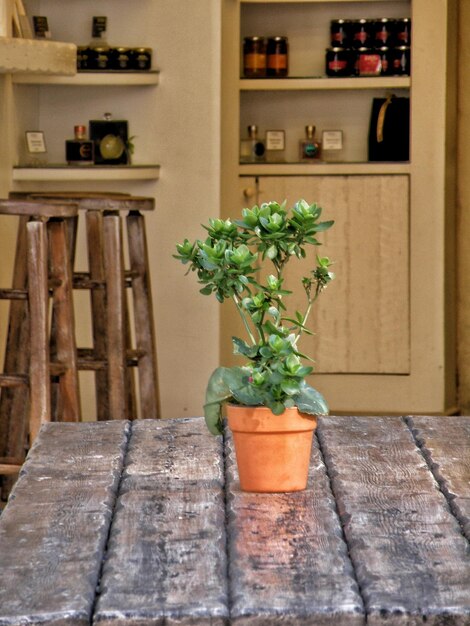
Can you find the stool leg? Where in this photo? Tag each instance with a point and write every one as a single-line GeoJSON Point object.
{"type": "Point", "coordinates": [116, 318]}
{"type": "Point", "coordinates": [63, 324]}
{"type": "Point", "coordinates": [143, 313]}
{"type": "Point", "coordinates": [13, 401]}
{"type": "Point", "coordinates": [94, 227]}
{"type": "Point", "coordinates": [39, 379]}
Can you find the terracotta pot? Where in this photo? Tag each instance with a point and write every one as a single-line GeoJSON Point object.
{"type": "Point", "coordinates": [273, 451]}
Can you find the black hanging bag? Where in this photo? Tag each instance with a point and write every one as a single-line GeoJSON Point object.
{"type": "Point", "coordinates": [389, 130]}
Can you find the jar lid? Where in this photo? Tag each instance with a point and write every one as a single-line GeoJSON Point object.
{"type": "Point", "coordinates": [277, 38]}
{"type": "Point", "coordinates": [254, 38]}
{"type": "Point", "coordinates": [142, 49]}
{"type": "Point", "coordinates": [336, 49]}
{"type": "Point", "coordinates": [402, 48]}
{"type": "Point", "coordinates": [340, 21]}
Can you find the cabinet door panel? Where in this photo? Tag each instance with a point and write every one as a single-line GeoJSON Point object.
{"type": "Point", "coordinates": [361, 321]}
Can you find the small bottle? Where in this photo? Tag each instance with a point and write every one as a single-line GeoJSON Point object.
{"type": "Point", "coordinates": [310, 149]}
{"type": "Point", "coordinates": [252, 149]}
{"type": "Point", "coordinates": [99, 50]}
{"type": "Point", "coordinates": [79, 151]}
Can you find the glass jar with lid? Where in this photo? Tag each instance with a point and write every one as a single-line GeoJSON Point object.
{"type": "Point", "coordinates": [254, 57]}
{"type": "Point", "coordinates": [277, 57]}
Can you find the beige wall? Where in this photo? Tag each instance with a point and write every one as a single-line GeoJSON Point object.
{"type": "Point", "coordinates": [178, 125]}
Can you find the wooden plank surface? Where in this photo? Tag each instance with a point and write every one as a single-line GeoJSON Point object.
{"type": "Point", "coordinates": [288, 560]}
{"type": "Point", "coordinates": [445, 443]}
{"type": "Point", "coordinates": [166, 561]}
{"type": "Point", "coordinates": [410, 556]}
{"type": "Point", "coordinates": [53, 531]}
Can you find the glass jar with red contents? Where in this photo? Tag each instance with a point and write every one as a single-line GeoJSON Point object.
{"type": "Point", "coordinates": [401, 61]}
{"type": "Point", "coordinates": [339, 62]}
{"type": "Point", "coordinates": [386, 60]}
{"type": "Point", "coordinates": [403, 31]}
{"type": "Point", "coordinates": [361, 33]}
{"type": "Point", "coordinates": [277, 57]}
{"type": "Point", "coordinates": [254, 57]}
{"type": "Point", "coordinates": [340, 33]}
{"type": "Point", "coordinates": [383, 32]}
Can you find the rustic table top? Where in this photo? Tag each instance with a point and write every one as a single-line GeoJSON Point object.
{"type": "Point", "coordinates": [143, 524]}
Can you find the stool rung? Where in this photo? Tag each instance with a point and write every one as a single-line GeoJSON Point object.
{"type": "Point", "coordinates": [82, 280]}
{"type": "Point", "coordinates": [57, 368]}
{"type": "Point", "coordinates": [10, 465]}
{"type": "Point", "coordinates": [13, 380]}
{"type": "Point", "coordinates": [13, 294]}
{"type": "Point", "coordinates": [87, 360]}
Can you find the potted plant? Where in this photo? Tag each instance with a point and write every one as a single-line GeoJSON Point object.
{"type": "Point", "coordinates": [267, 397]}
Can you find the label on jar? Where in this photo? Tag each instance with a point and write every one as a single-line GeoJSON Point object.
{"type": "Point", "coordinates": [255, 61]}
{"type": "Point", "coordinates": [337, 65]}
{"type": "Point", "coordinates": [277, 61]}
{"type": "Point", "coordinates": [369, 65]}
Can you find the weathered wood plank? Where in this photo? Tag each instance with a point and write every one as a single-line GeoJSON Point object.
{"type": "Point", "coordinates": [288, 562]}
{"type": "Point", "coordinates": [166, 561]}
{"type": "Point", "coordinates": [54, 528]}
{"type": "Point", "coordinates": [408, 550]}
{"type": "Point", "coordinates": [445, 443]}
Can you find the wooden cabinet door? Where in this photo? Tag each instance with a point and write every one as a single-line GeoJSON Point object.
{"type": "Point", "coordinates": [361, 321]}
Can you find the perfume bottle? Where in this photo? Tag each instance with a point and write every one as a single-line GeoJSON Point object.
{"type": "Point", "coordinates": [252, 149]}
{"type": "Point", "coordinates": [310, 149]}
{"type": "Point", "coordinates": [79, 151]}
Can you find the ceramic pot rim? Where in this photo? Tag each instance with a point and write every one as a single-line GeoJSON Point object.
{"type": "Point", "coordinates": [261, 419]}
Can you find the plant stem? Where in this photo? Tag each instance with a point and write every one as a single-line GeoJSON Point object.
{"type": "Point", "coordinates": [244, 320]}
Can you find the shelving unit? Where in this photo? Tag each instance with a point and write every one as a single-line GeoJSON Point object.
{"type": "Point", "coordinates": [66, 173]}
{"type": "Point", "coordinates": [56, 102]}
{"type": "Point", "coordinates": [18, 56]}
{"type": "Point", "coordinates": [92, 79]}
{"type": "Point", "coordinates": [324, 84]}
{"type": "Point", "coordinates": [385, 330]}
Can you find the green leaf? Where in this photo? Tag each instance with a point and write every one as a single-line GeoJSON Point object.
{"type": "Point", "coordinates": [217, 392]}
{"type": "Point", "coordinates": [310, 401]}
{"type": "Point", "coordinates": [271, 252]}
{"type": "Point", "coordinates": [290, 387]}
{"type": "Point", "coordinates": [241, 347]}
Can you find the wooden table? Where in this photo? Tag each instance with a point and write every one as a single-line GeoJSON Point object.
{"type": "Point", "coordinates": [143, 524]}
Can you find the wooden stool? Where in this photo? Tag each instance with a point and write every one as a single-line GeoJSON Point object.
{"type": "Point", "coordinates": [37, 349]}
{"type": "Point", "coordinates": [113, 357]}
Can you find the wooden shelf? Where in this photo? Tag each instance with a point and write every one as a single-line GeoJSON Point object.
{"type": "Point", "coordinates": [322, 169]}
{"type": "Point", "coordinates": [37, 57]}
{"type": "Point", "coordinates": [300, 1]}
{"type": "Point", "coordinates": [93, 79]}
{"type": "Point", "coordinates": [324, 84]}
{"type": "Point", "coordinates": [64, 173]}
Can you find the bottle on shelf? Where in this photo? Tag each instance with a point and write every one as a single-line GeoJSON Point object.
{"type": "Point", "coordinates": [79, 150]}
{"type": "Point", "coordinates": [99, 52]}
{"type": "Point", "coordinates": [310, 149]}
{"type": "Point", "coordinates": [252, 149]}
